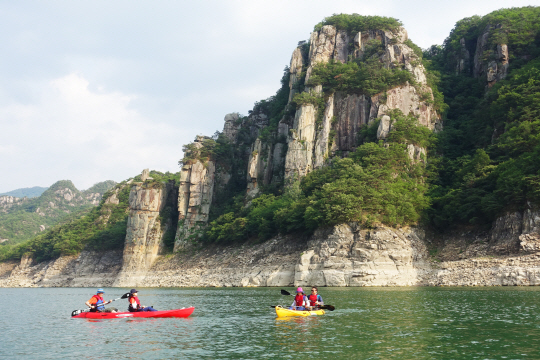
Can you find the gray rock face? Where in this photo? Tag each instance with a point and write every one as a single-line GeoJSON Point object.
{"type": "Point", "coordinates": [351, 112]}
{"type": "Point", "coordinates": [89, 269]}
{"type": "Point", "coordinates": [230, 129]}
{"type": "Point", "coordinates": [194, 199]}
{"type": "Point", "coordinates": [348, 256]}
{"type": "Point", "coordinates": [7, 201]}
{"type": "Point", "coordinates": [341, 50]}
{"type": "Point", "coordinates": [384, 127]}
{"type": "Point", "coordinates": [144, 233]}
{"type": "Point", "coordinates": [463, 58]}
{"type": "Point", "coordinates": [321, 145]}
{"type": "Point", "coordinates": [340, 256]}
{"type": "Point", "coordinates": [493, 70]}
{"type": "Point", "coordinates": [344, 255]}
{"type": "Point", "coordinates": [298, 161]}
{"type": "Point", "coordinates": [297, 63]}
{"type": "Point", "coordinates": [308, 140]}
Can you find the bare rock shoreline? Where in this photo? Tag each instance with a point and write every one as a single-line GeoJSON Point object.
{"type": "Point", "coordinates": [344, 255]}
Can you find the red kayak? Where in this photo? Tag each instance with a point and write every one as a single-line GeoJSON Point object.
{"type": "Point", "coordinates": [178, 313]}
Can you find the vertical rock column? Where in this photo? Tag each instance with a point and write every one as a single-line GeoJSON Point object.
{"type": "Point", "coordinates": [299, 158]}
{"type": "Point", "coordinates": [144, 233]}
{"type": "Point", "coordinates": [194, 200]}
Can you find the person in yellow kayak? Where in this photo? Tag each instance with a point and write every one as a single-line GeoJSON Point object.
{"type": "Point", "coordinates": [300, 300]}
{"type": "Point", "coordinates": [97, 304]}
{"type": "Point", "coordinates": [315, 300]}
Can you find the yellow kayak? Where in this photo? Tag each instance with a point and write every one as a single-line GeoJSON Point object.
{"type": "Point", "coordinates": [284, 312]}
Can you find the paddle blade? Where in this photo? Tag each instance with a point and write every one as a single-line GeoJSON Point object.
{"type": "Point", "coordinates": [273, 306]}
{"type": "Point", "coordinates": [285, 292]}
{"type": "Point", "coordinates": [125, 296]}
{"type": "Point", "coordinates": [328, 307]}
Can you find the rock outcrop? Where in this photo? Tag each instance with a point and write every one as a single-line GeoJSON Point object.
{"type": "Point", "coordinates": [87, 269]}
{"type": "Point", "coordinates": [496, 67]}
{"type": "Point", "coordinates": [145, 230]}
{"type": "Point", "coordinates": [344, 255]}
{"type": "Point", "coordinates": [7, 202]}
{"type": "Point", "coordinates": [194, 199]}
{"type": "Point", "coordinates": [308, 140]}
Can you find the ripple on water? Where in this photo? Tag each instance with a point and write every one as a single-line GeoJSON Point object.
{"type": "Point", "coordinates": [236, 323]}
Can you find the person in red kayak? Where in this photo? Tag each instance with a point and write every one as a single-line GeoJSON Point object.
{"type": "Point", "coordinates": [135, 304]}
{"type": "Point", "coordinates": [97, 304]}
{"type": "Point", "coordinates": [300, 300]}
{"type": "Point", "coordinates": [315, 300]}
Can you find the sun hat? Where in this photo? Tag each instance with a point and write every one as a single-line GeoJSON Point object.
{"type": "Point", "coordinates": [299, 290]}
{"type": "Point", "coordinates": [100, 291]}
{"type": "Point", "coordinates": [133, 291]}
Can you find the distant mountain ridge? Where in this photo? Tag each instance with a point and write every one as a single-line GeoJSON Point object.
{"type": "Point", "coordinates": [31, 192]}
{"type": "Point", "coordinates": [23, 218]}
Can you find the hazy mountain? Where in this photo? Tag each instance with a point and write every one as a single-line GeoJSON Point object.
{"type": "Point", "coordinates": [28, 192]}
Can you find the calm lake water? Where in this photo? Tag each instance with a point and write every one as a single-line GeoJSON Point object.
{"type": "Point", "coordinates": [238, 323]}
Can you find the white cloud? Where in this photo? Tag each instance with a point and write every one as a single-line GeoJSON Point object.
{"type": "Point", "coordinates": [86, 136]}
{"type": "Point", "coordinates": [90, 95]}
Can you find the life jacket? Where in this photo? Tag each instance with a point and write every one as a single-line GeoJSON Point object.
{"type": "Point", "coordinates": [131, 307]}
{"type": "Point", "coordinates": [99, 303]}
{"type": "Point", "coordinates": [299, 299]}
{"type": "Point", "coordinates": [314, 298]}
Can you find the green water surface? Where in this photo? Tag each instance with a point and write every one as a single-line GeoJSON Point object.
{"type": "Point", "coordinates": [238, 323]}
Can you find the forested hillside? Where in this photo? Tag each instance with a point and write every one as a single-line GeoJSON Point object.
{"type": "Point", "coordinates": [101, 227]}
{"type": "Point", "coordinates": [487, 160]}
{"type": "Point", "coordinates": [21, 219]}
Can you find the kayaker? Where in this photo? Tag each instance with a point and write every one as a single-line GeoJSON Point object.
{"type": "Point", "coordinates": [300, 300]}
{"type": "Point", "coordinates": [97, 304]}
{"type": "Point", "coordinates": [315, 300]}
{"type": "Point", "coordinates": [135, 304]}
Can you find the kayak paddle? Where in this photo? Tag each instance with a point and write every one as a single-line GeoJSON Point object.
{"type": "Point", "coordinates": [324, 307]}
{"type": "Point", "coordinates": [77, 312]}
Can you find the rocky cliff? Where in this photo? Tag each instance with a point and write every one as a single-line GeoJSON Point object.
{"type": "Point", "coordinates": [344, 255]}
{"type": "Point", "coordinates": [145, 230]}
{"type": "Point", "coordinates": [309, 125]}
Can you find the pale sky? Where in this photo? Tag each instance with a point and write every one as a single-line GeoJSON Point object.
{"type": "Point", "coordinates": [99, 90]}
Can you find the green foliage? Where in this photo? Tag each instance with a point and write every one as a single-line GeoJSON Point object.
{"type": "Point", "coordinates": [407, 130]}
{"type": "Point", "coordinates": [355, 23]}
{"type": "Point", "coordinates": [201, 149]}
{"type": "Point", "coordinates": [313, 98]}
{"type": "Point", "coordinates": [22, 221]}
{"type": "Point", "coordinates": [377, 184]}
{"type": "Point", "coordinates": [100, 187]}
{"type": "Point", "coordinates": [417, 49]}
{"type": "Point", "coordinates": [367, 77]}
{"type": "Point", "coordinates": [101, 228]}
{"type": "Point", "coordinates": [516, 27]}
{"type": "Point", "coordinates": [491, 144]}
{"type": "Point", "coordinates": [234, 159]}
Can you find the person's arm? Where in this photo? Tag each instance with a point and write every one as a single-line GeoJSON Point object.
{"type": "Point", "coordinates": [319, 298]}
{"type": "Point", "coordinates": [90, 303]}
